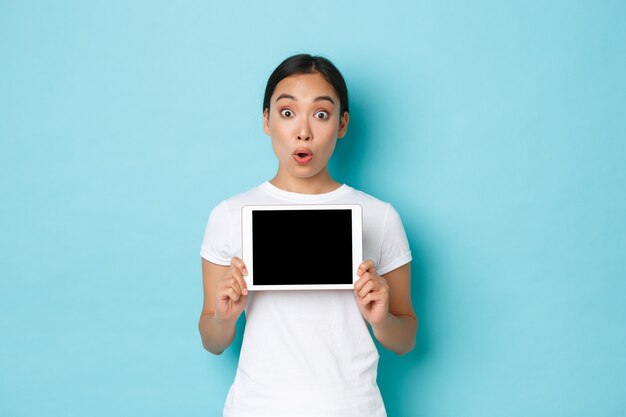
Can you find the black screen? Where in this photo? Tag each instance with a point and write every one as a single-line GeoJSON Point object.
{"type": "Point", "coordinates": [300, 247]}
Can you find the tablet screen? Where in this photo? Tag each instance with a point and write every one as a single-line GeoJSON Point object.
{"type": "Point", "coordinates": [308, 247]}
{"type": "Point", "coordinates": [301, 247]}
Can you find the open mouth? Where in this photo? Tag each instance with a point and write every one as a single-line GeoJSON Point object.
{"type": "Point", "coordinates": [302, 156]}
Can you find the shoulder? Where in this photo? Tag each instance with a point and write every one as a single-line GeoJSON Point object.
{"type": "Point", "coordinates": [384, 238]}
{"type": "Point", "coordinates": [378, 215]}
{"type": "Point", "coordinates": [372, 206]}
{"type": "Point", "coordinates": [233, 205]}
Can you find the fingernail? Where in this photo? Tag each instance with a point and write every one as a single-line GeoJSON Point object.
{"type": "Point", "coordinates": [244, 291]}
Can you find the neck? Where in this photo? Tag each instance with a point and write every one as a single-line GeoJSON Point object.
{"type": "Point", "coordinates": [319, 184]}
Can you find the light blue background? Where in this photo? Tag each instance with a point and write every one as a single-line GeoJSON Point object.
{"type": "Point", "coordinates": [497, 129]}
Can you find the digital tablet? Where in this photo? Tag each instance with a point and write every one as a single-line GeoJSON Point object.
{"type": "Point", "coordinates": [302, 247]}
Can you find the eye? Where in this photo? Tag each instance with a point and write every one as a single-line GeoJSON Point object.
{"type": "Point", "coordinates": [286, 113]}
{"type": "Point", "coordinates": [322, 115]}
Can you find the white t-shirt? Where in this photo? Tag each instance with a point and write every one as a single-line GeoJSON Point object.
{"type": "Point", "coordinates": [306, 353]}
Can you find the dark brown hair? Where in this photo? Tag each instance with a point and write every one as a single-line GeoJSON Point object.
{"type": "Point", "coordinates": [308, 64]}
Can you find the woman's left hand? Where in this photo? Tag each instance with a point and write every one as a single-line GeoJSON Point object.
{"type": "Point", "coordinates": [372, 293]}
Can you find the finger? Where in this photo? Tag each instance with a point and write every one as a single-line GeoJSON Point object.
{"type": "Point", "coordinates": [367, 288]}
{"type": "Point", "coordinates": [365, 266]}
{"type": "Point", "coordinates": [236, 274]}
{"type": "Point", "coordinates": [365, 278]}
{"type": "Point", "coordinates": [227, 287]}
{"type": "Point", "coordinates": [234, 284]}
{"type": "Point", "coordinates": [361, 282]}
{"type": "Point", "coordinates": [238, 263]}
{"type": "Point", "coordinates": [372, 297]}
{"type": "Point", "coordinates": [233, 294]}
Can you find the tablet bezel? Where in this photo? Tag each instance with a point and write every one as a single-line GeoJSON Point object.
{"type": "Point", "coordinates": [248, 250]}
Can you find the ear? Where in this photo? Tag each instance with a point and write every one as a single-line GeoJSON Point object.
{"type": "Point", "coordinates": [266, 121]}
{"type": "Point", "coordinates": [343, 124]}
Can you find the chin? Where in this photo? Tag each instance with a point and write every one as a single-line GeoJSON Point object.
{"type": "Point", "coordinates": [304, 175]}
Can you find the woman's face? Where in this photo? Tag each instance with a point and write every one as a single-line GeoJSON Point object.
{"type": "Point", "coordinates": [304, 122]}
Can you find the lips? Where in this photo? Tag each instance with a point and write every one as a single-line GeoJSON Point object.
{"type": "Point", "coordinates": [303, 156]}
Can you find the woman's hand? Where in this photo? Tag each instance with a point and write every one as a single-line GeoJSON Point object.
{"type": "Point", "coordinates": [232, 294]}
{"type": "Point", "coordinates": [372, 294]}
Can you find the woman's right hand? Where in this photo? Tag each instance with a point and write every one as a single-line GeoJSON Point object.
{"type": "Point", "coordinates": [232, 294]}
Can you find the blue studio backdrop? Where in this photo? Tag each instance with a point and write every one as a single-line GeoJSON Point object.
{"type": "Point", "coordinates": [497, 130]}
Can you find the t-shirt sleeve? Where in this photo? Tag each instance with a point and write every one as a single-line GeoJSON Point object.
{"type": "Point", "coordinates": [394, 251]}
{"type": "Point", "coordinates": [216, 245]}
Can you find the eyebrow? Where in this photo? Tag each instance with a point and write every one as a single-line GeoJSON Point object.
{"type": "Point", "coordinates": [289, 96]}
{"type": "Point", "coordinates": [320, 98]}
{"type": "Point", "coordinates": [328, 98]}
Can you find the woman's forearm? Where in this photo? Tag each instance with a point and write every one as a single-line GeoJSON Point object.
{"type": "Point", "coordinates": [216, 334]}
{"type": "Point", "coordinates": [397, 333]}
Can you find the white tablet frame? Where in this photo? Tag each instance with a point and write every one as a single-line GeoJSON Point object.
{"type": "Point", "coordinates": [248, 250]}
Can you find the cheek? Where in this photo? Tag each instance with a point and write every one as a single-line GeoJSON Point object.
{"type": "Point", "coordinates": [278, 129]}
{"type": "Point", "coordinates": [279, 146]}
{"type": "Point", "coordinates": [329, 132]}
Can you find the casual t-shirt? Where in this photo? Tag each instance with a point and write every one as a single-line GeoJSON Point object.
{"type": "Point", "coordinates": [306, 353]}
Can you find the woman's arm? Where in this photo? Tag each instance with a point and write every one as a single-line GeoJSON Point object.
{"type": "Point", "coordinates": [225, 297]}
{"type": "Point", "coordinates": [385, 302]}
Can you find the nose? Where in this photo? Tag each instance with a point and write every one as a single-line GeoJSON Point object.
{"type": "Point", "coordinates": [305, 131]}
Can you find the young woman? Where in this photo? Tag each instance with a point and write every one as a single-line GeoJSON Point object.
{"type": "Point", "coordinates": [307, 353]}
